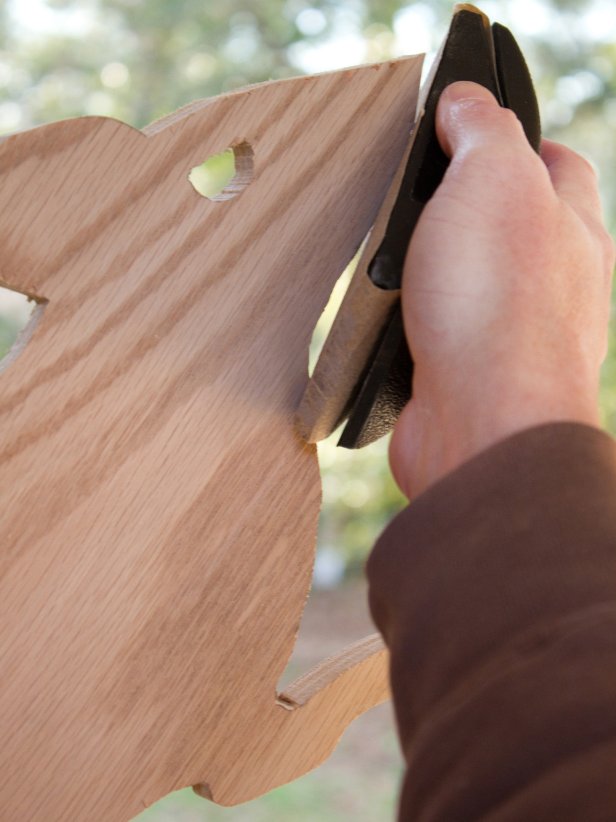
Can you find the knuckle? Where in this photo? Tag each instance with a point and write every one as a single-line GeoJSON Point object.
{"type": "Point", "coordinates": [601, 241]}
{"type": "Point", "coordinates": [608, 248]}
{"type": "Point", "coordinates": [582, 166]}
{"type": "Point", "coordinates": [486, 112]}
{"type": "Point", "coordinates": [506, 121]}
{"type": "Point", "coordinates": [510, 118]}
{"type": "Point", "coordinates": [505, 174]}
{"type": "Point", "coordinates": [588, 168]}
{"type": "Point", "coordinates": [510, 127]}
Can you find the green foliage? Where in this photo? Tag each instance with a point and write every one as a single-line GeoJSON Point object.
{"type": "Point", "coordinates": [210, 178]}
{"type": "Point", "coordinates": [9, 328]}
{"type": "Point", "coordinates": [360, 497]}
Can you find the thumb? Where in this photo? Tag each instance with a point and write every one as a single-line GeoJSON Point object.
{"type": "Point", "coordinates": [468, 116]}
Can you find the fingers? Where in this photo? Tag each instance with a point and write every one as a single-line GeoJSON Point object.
{"type": "Point", "coordinates": [573, 178]}
{"type": "Point", "coordinates": [468, 116]}
{"type": "Point", "coordinates": [575, 182]}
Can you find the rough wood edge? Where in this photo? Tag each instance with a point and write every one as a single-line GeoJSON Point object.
{"type": "Point", "coordinates": [355, 329]}
{"type": "Point", "coordinates": [305, 687]}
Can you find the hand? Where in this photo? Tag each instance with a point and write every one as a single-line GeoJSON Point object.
{"type": "Point", "coordinates": [506, 292]}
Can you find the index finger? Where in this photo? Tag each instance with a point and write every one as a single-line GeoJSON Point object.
{"type": "Point", "coordinates": [574, 179]}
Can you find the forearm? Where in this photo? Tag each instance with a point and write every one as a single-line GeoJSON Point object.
{"type": "Point", "coordinates": [496, 594]}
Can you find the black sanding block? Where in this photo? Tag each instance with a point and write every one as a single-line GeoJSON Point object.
{"type": "Point", "coordinates": [473, 50]}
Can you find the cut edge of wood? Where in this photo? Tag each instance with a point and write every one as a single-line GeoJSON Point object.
{"type": "Point", "coordinates": [304, 688]}
{"type": "Point", "coordinates": [319, 705]}
{"type": "Point", "coordinates": [357, 325]}
{"type": "Point", "coordinates": [169, 120]}
{"type": "Point", "coordinates": [330, 688]}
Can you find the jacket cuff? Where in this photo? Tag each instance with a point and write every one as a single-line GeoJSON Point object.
{"type": "Point", "coordinates": [478, 584]}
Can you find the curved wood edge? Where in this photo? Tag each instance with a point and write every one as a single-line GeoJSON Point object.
{"type": "Point", "coordinates": [315, 710]}
{"type": "Point", "coordinates": [354, 332]}
{"type": "Point", "coordinates": [325, 673]}
{"type": "Point", "coordinates": [175, 117]}
{"type": "Point", "coordinates": [24, 336]}
{"type": "Point", "coordinates": [168, 120]}
{"type": "Point", "coordinates": [184, 682]}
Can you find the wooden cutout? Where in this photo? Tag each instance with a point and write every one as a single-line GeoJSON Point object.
{"type": "Point", "coordinates": [363, 313]}
{"type": "Point", "coordinates": [159, 511]}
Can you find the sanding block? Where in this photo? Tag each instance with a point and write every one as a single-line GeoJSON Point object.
{"type": "Point", "coordinates": [364, 372]}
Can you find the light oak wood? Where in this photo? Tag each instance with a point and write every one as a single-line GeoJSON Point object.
{"type": "Point", "coordinates": [364, 311]}
{"type": "Point", "coordinates": [159, 511]}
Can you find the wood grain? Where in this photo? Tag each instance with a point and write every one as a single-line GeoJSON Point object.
{"type": "Point", "coordinates": [364, 312]}
{"type": "Point", "coordinates": [159, 511]}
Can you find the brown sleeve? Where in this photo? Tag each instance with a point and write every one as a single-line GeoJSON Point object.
{"type": "Point", "coordinates": [495, 592]}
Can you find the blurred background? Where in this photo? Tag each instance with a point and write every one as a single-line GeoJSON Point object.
{"type": "Point", "coordinates": [136, 61]}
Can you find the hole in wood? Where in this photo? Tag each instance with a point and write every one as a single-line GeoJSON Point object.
{"type": "Point", "coordinates": [223, 176]}
{"type": "Point", "coordinates": [19, 316]}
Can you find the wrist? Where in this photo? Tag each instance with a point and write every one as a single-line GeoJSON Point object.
{"type": "Point", "coordinates": [439, 431]}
